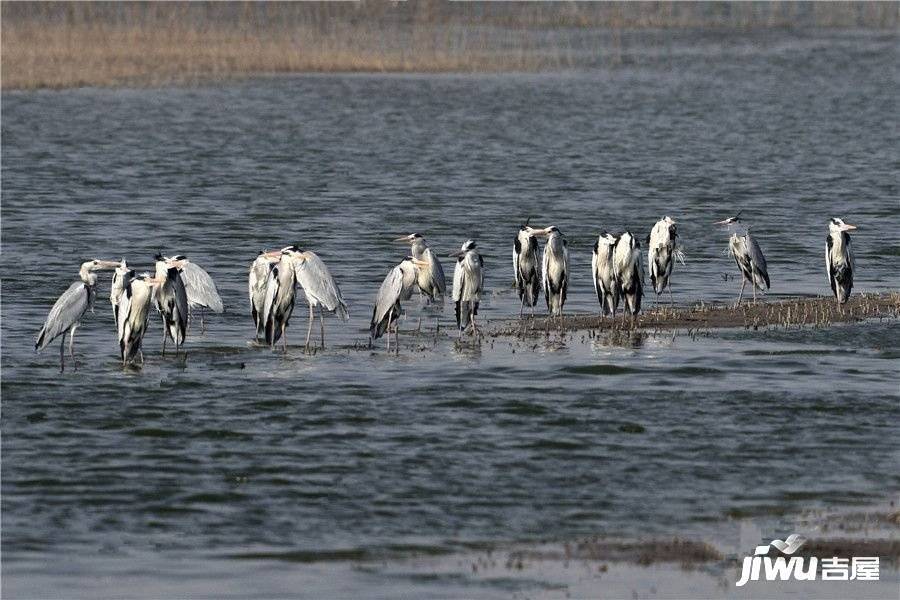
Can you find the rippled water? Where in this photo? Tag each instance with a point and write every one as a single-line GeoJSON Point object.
{"type": "Point", "coordinates": [248, 471]}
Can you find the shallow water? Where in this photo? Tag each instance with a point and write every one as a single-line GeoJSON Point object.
{"type": "Point", "coordinates": [245, 470]}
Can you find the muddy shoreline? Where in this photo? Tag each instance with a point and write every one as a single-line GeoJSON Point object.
{"type": "Point", "coordinates": [817, 312]}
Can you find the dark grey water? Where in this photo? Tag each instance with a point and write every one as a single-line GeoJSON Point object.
{"type": "Point", "coordinates": [249, 472]}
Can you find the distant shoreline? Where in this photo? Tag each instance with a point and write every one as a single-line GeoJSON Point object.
{"type": "Point", "coordinates": [68, 45]}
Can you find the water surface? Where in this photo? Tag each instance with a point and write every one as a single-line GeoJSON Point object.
{"type": "Point", "coordinates": [254, 473]}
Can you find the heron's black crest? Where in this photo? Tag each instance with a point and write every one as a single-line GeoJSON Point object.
{"type": "Point", "coordinates": [159, 256]}
{"type": "Point", "coordinates": [180, 257]}
{"type": "Point", "coordinates": [525, 224]}
{"type": "Point", "coordinates": [416, 236]}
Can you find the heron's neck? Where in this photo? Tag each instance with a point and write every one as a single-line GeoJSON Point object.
{"type": "Point", "coordinates": [418, 248]}
{"type": "Point", "coordinates": [88, 277]}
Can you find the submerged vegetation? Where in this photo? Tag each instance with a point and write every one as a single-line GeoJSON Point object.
{"type": "Point", "coordinates": [69, 44]}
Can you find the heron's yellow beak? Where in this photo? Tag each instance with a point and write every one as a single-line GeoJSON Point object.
{"type": "Point", "coordinates": [420, 263]}
{"type": "Point", "coordinates": [273, 254]}
{"type": "Point", "coordinates": [404, 239]}
{"type": "Point", "coordinates": [848, 227]}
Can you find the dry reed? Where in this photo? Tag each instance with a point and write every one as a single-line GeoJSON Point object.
{"type": "Point", "coordinates": [56, 45]}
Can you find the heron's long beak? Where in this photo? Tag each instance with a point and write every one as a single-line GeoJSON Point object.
{"type": "Point", "coordinates": [725, 222]}
{"type": "Point", "coordinates": [420, 263]}
{"type": "Point", "coordinates": [848, 227]}
{"type": "Point", "coordinates": [153, 281]}
{"type": "Point", "coordinates": [108, 264]}
{"type": "Point", "coordinates": [404, 239]}
{"type": "Point", "coordinates": [456, 254]}
{"type": "Point", "coordinates": [273, 254]}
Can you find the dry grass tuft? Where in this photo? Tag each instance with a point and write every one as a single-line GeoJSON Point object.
{"type": "Point", "coordinates": [56, 45]}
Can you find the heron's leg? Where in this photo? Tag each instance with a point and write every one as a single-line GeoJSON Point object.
{"type": "Point", "coordinates": [754, 292]}
{"type": "Point", "coordinates": [671, 300]}
{"type": "Point", "coordinates": [522, 307]}
{"type": "Point", "coordinates": [284, 336]}
{"type": "Point", "coordinates": [322, 324]}
{"type": "Point", "coordinates": [741, 295]}
{"type": "Point", "coordinates": [309, 329]}
{"type": "Point", "coordinates": [62, 354]}
{"type": "Point", "coordinates": [72, 346]}
{"type": "Point", "coordinates": [390, 318]}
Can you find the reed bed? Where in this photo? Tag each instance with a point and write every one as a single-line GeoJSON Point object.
{"type": "Point", "coordinates": [58, 45]}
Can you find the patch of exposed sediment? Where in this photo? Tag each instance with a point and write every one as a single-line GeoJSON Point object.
{"type": "Point", "coordinates": [817, 312]}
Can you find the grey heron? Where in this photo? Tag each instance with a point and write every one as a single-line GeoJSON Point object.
{"type": "Point", "coordinates": [629, 272]}
{"type": "Point", "coordinates": [318, 285]}
{"type": "Point", "coordinates": [603, 274]}
{"type": "Point", "coordinates": [397, 285]}
{"type": "Point", "coordinates": [201, 290]}
{"type": "Point", "coordinates": [256, 287]}
{"type": "Point", "coordinates": [133, 314]}
{"type": "Point", "coordinates": [431, 277]}
{"type": "Point", "coordinates": [661, 252]}
{"type": "Point", "coordinates": [839, 260]}
{"type": "Point", "coordinates": [555, 267]}
{"type": "Point", "coordinates": [527, 266]}
{"type": "Point", "coordinates": [468, 282]}
{"type": "Point", "coordinates": [279, 300]}
{"type": "Point", "coordinates": [69, 309]}
{"type": "Point", "coordinates": [171, 301]}
{"type": "Point", "coordinates": [747, 255]}
{"type": "Point", "coordinates": [117, 287]}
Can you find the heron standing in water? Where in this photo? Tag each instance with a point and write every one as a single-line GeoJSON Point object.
{"type": "Point", "coordinates": [201, 290]}
{"type": "Point", "coordinates": [171, 301]}
{"type": "Point", "coordinates": [747, 255]}
{"type": "Point", "coordinates": [839, 260]}
{"type": "Point", "coordinates": [603, 273]}
{"type": "Point", "coordinates": [133, 310]}
{"type": "Point", "coordinates": [256, 286]}
{"type": "Point", "coordinates": [555, 266]}
{"type": "Point", "coordinates": [629, 272]}
{"type": "Point", "coordinates": [527, 266]}
{"type": "Point", "coordinates": [398, 285]}
{"type": "Point", "coordinates": [70, 308]}
{"type": "Point", "coordinates": [430, 276]}
{"type": "Point", "coordinates": [319, 287]}
{"type": "Point", "coordinates": [468, 281]}
{"type": "Point", "coordinates": [661, 253]}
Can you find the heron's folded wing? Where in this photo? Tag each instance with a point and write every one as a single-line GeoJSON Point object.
{"type": "Point", "coordinates": [200, 287]}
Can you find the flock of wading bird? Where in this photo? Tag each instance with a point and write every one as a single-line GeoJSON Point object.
{"type": "Point", "coordinates": [179, 286]}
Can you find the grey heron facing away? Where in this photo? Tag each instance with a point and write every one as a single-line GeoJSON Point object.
{"type": "Point", "coordinates": [603, 273]}
{"type": "Point", "coordinates": [318, 285]}
{"type": "Point", "coordinates": [468, 282]}
{"type": "Point", "coordinates": [69, 309]}
{"type": "Point", "coordinates": [256, 286]}
{"type": "Point", "coordinates": [661, 253]}
{"type": "Point", "coordinates": [839, 260]}
{"type": "Point", "coordinates": [629, 272]}
{"type": "Point", "coordinates": [527, 266]}
{"type": "Point", "coordinates": [201, 290]}
{"type": "Point", "coordinates": [555, 266]}
{"type": "Point", "coordinates": [171, 300]}
{"type": "Point", "coordinates": [398, 285]}
{"type": "Point", "coordinates": [430, 276]}
{"type": "Point", "coordinates": [747, 255]}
